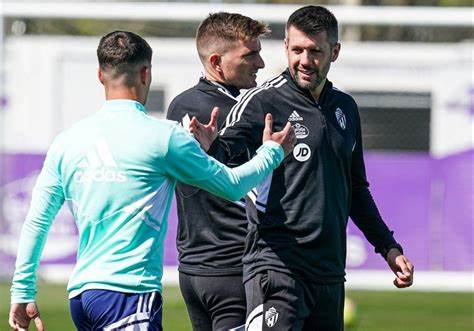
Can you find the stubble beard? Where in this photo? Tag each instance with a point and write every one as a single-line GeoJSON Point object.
{"type": "Point", "coordinates": [312, 85]}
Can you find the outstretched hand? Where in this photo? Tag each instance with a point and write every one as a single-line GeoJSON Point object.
{"type": "Point", "coordinates": [205, 134]}
{"type": "Point", "coordinates": [286, 137]}
{"type": "Point", "coordinates": [21, 315]}
{"type": "Point", "coordinates": [401, 267]}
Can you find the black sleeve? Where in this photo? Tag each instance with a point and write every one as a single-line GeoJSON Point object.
{"type": "Point", "coordinates": [241, 134]}
{"type": "Point", "coordinates": [171, 113]}
{"type": "Point", "coordinates": [363, 210]}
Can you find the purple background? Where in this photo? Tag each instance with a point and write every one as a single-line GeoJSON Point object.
{"type": "Point", "coordinates": [426, 201]}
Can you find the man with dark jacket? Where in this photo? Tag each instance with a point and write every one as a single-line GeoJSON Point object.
{"type": "Point", "coordinates": [211, 230]}
{"type": "Point", "coordinates": [294, 262]}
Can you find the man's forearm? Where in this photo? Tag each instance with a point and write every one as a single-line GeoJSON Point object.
{"type": "Point", "coordinates": [250, 174]}
{"type": "Point", "coordinates": [46, 201]}
{"type": "Point", "coordinates": [366, 216]}
{"type": "Point", "coordinates": [234, 183]}
{"type": "Point", "coordinates": [188, 163]}
{"type": "Point", "coordinates": [32, 240]}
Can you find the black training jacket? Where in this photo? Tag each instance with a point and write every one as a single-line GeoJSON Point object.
{"type": "Point", "coordinates": [298, 216]}
{"type": "Point", "coordinates": [211, 230]}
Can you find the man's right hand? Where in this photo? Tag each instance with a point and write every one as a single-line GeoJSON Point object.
{"type": "Point", "coordinates": [205, 134]}
{"type": "Point", "coordinates": [286, 137]}
{"type": "Point", "coordinates": [21, 315]}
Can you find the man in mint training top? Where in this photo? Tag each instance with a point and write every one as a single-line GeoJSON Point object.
{"type": "Point", "coordinates": [117, 170]}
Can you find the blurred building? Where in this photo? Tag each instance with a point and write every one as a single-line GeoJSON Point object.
{"type": "Point", "coordinates": [415, 101]}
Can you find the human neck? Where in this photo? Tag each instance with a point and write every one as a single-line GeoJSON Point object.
{"type": "Point", "coordinates": [316, 93]}
{"type": "Point", "coordinates": [214, 77]}
{"type": "Point", "coordinates": [129, 93]}
{"type": "Point", "coordinates": [232, 89]}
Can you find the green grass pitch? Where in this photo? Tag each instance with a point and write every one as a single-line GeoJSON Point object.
{"type": "Point", "coordinates": [376, 311]}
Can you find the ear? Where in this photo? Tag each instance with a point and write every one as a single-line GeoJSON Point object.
{"type": "Point", "coordinates": [335, 52]}
{"type": "Point", "coordinates": [145, 72]}
{"type": "Point", "coordinates": [286, 42]}
{"type": "Point", "coordinates": [100, 75]}
{"type": "Point", "coordinates": [215, 62]}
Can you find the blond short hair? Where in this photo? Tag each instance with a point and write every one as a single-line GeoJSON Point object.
{"type": "Point", "coordinates": [220, 28]}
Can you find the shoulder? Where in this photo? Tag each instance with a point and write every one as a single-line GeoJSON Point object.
{"type": "Point", "coordinates": [183, 98]}
{"type": "Point", "coordinates": [344, 98]}
{"type": "Point", "coordinates": [273, 85]}
{"type": "Point", "coordinates": [153, 127]}
{"type": "Point", "coordinates": [157, 133]}
{"type": "Point", "coordinates": [265, 92]}
{"type": "Point", "coordinates": [192, 101]}
{"type": "Point", "coordinates": [160, 124]}
{"type": "Point", "coordinates": [185, 95]}
{"type": "Point", "coordinates": [72, 133]}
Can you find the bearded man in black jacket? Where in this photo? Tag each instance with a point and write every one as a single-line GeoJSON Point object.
{"type": "Point", "coordinates": [294, 261]}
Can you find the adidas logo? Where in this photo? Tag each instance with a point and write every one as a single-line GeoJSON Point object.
{"type": "Point", "coordinates": [295, 117]}
{"type": "Point", "coordinates": [99, 166]}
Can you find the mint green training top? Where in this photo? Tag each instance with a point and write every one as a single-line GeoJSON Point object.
{"type": "Point", "coordinates": [117, 171]}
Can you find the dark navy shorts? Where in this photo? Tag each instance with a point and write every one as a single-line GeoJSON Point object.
{"type": "Point", "coordinates": [109, 310]}
{"type": "Point", "coordinates": [279, 301]}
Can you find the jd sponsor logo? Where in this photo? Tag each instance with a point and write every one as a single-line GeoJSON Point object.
{"type": "Point", "coordinates": [271, 317]}
{"type": "Point", "coordinates": [99, 166]}
{"type": "Point", "coordinates": [301, 131]}
{"type": "Point", "coordinates": [302, 152]}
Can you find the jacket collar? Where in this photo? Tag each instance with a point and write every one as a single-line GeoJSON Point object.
{"type": "Point", "coordinates": [206, 85]}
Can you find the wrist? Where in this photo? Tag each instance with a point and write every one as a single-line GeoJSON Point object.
{"type": "Point", "coordinates": [393, 246]}
{"type": "Point", "coordinates": [213, 146]}
{"type": "Point", "coordinates": [278, 148]}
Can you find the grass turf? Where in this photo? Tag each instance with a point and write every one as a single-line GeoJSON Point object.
{"type": "Point", "coordinates": [377, 311]}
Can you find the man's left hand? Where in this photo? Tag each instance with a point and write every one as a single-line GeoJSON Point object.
{"type": "Point", "coordinates": [401, 267]}
{"type": "Point", "coordinates": [21, 315]}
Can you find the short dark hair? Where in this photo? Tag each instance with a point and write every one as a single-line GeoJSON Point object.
{"type": "Point", "coordinates": [314, 19]}
{"type": "Point", "coordinates": [227, 27]}
{"type": "Point", "coordinates": [122, 51]}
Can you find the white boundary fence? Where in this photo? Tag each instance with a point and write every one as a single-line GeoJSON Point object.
{"type": "Point", "coordinates": [374, 280]}
{"type": "Point", "coordinates": [347, 15]}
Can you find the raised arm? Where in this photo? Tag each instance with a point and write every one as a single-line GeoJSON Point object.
{"type": "Point", "coordinates": [189, 164]}
{"type": "Point", "coordinates": [239, 137]}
